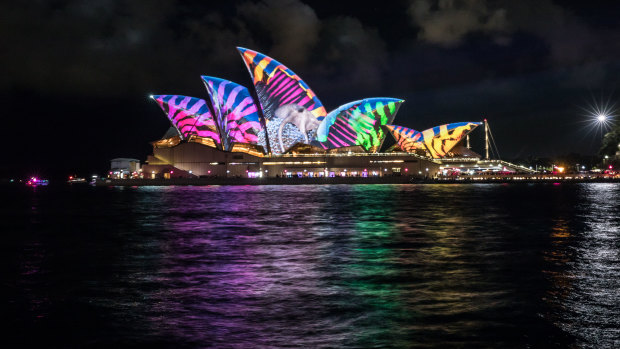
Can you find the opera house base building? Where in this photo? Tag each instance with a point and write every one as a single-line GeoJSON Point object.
{"type": "Point", "coordinates": [194, 160]}
{"type": "Point", "coordinates": [283, 131]}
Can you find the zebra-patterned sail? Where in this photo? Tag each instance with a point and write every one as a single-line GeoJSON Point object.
{"type": "Point", "coordinates": [189, 115]}
{"type": "Point", "coordinates": [358, 123]}
{"type": "Point", "coordinates": [291, 109]}
{"type": "Point", "coordinates": [439, 140]}
{"type": "Point", "coordinates": [236, 114]}
{"type": "Point", "coordinates": [408, 139]}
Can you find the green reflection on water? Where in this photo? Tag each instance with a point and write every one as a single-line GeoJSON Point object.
{"type": "Point", "coordinates": [370, 277]}
{"type": "Point", "coordinates": [406, 267]}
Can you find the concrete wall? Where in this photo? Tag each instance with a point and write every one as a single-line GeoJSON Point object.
{"type": "Point", "coordinates": [192, 159]}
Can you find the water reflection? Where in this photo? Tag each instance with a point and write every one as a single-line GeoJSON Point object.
{"type": "Point", "coordinates": [320, 266]}
{"type": "Point", "coordinates": [591, 310]}
{"type": "Point", "coordinates": [357, 265]}
{"type": "Point", "coordinates": [558, 258]}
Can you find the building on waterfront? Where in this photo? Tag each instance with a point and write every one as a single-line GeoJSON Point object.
{"type": "Point", "coordinates": [286, 132]}
{"type": "Point", "coordinates": [124, 168]}
{"type": "Point", "coordinates": [189, 159]}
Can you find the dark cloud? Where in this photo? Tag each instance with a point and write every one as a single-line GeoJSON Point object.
{"type": "Point", "coordinates": [447, 22]}
{"type": "Point", "coordinates": [569, 39]}
{"type": "Point", "coordinates": [351, 61]}
{"type": "Point", "coordinates": [449, 59]}
{"type": "Point", "coordinates": [292, 26]}
{"type": "Point", "coordinates": [84, 46]}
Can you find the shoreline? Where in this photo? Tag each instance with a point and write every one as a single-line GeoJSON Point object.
{"type": "Point", "coordinates": [335, 180]}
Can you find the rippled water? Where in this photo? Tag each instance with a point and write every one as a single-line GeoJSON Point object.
{"type": "Point", "coordinates": [476, 265]}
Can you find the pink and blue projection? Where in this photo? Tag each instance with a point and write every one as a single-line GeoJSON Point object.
{"type": "Point", "coordinates": [236, 113]}
{"type": "Point", "coordinates": [291, 109]}
{"type": "Point", "coordinates": [189, 115]}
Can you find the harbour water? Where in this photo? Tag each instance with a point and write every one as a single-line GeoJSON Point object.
{"type": "Point", "coordinates": [401, 265]}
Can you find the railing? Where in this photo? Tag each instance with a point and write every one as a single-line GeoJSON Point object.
{"type": "Point", "coordinates": [394, 154]}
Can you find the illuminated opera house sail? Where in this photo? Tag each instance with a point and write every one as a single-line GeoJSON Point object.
{"type": "Point", "coordinates": [286, 131]}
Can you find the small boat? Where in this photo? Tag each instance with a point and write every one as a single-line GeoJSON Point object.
{"type": "Point", "coordinates": [35, 182]}
{"type": "Point", "coordinates": [76, 180]}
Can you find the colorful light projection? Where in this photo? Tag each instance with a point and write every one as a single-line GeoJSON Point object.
{"type": "Point", "coordinates": [291, 109]}
{"type": "Point", "coordinates": [408, 139]}
{"type": "Point", "coordinates": [236, 113]}
{"type": "Point", "coordinates": [437, 141]}
{"type": "Point", "coordinates": [358, 123]}
{"type": "Point", "coordinates": [189, 115]}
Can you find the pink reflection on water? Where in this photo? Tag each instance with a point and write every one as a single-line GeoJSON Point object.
{"type": "Point", "coordinates": [227, 273]}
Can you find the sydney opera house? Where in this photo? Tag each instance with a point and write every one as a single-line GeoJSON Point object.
{"type": "Point", "coordinates": [283, 130]}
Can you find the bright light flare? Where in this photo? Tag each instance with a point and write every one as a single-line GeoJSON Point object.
{"type": "Point", "coordinates": [599, 115]}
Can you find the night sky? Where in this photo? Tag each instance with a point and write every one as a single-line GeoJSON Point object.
{"type": "Point", "coordinates": [76, 75]}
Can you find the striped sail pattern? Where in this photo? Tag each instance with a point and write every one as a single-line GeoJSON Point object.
{"type": "Point", "coordinates": [236, 114]}
{"type": "Point", "coordinates": [280, 91]}
{"type": "Point", "coordinates": [189, 115]}
{"type": "Point", "coordinates": [408, 139]}
{"type": "Point", "coordinates": [439, 140]}
{"type": "Point", "coordinates": [277, 85]}
{"type": "Point", "coordinates": [358, 123]}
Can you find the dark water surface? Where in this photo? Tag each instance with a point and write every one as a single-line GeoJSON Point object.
{"type": "Point", "coordinates": [474, 265]}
